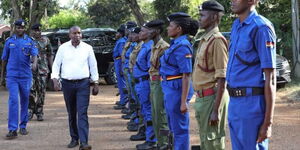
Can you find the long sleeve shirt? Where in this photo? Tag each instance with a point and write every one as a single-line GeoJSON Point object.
{"type": "Point", "coordinates": [75, 63]}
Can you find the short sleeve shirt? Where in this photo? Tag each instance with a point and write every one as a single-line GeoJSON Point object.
{"type": "Point", "coordinates": [156, 52]}
{"type": "Point", "coordinates": [178, 58]}
{"type": "Point", "coordinates": [17, 52]}
{"type": "Point", "coordinates": [211, 60]}
{"type": "Point", "coordinates": [134, 53]}
{"type": "Point", "coordinates": [252, 49]}
{"type": "Point", "coordinates": [142, 64]}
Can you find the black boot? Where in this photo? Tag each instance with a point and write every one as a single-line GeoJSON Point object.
{"type": "Point", "coordinates": [119, 107]}
{"type": "Point", "coordinates": [146, 146]}
{"type": "Point", "coordinates": [133, 127]}
{"type": "Point", "coordinates": [140, 136]}
{"type": "Point", "coordinates": [126, 117]}
{"type": "Point", "coordinates": [11, 135]}
{"type": "Point", "coordinates": [30, 114]}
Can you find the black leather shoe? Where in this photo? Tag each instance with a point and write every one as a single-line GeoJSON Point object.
{"type": "Point", "coordinates": [11, 135]}
{"type": "Point", "coordinates": [73, 144]}
{"type": "Point", "coordinates": [117, 103]}
{"type": "Point", "coordinates": [39, 117]}
{"type": "Point", "coordinates": [23, 131]}
{"type": "Point", "coordinates": [140, 136]}
{"type": "Point", "coordinates": [146, 146]}
{"type": "Point", "coordinates": [30, 114]}
{"type": "Point", "coordinates": [126, 117]}
{"type": "Point", "coordinates": [85, 146]}
{"type": "Point", "coordinates": [134, 127]}
{"type": "Point", "coordinates": [119, 107]}
{"type": "Point", "coordinates": [131, 123]}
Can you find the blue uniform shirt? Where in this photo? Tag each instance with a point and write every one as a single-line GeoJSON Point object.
{"type": "Point", "coordinates": [178, 58]}
{"type": "Point", "coordinates": [127, 54]}
{"type": "Point", "coordinates": [143, 60]}
{"type": "Point", "coordinates": [252, 49]}
{"type": "Point", "coordinates": [119, 47]}
{"type": "Point", "coordinates": [17, 53]}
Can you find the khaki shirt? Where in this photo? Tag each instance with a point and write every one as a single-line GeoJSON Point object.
{"type": "Point", "coordinates": [126, 46]}
{"type": "Point", "coordinates": [156, 52]}
{"type": "Point", "coordinates": [134, 53]}
{"type": "Point", "coordinates": [217, 60]}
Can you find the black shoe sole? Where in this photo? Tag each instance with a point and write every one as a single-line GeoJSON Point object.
{"type": "Point", "coordinates": [11, 138]}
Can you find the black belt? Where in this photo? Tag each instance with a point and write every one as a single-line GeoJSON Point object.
{"type": "Point", "coordinates": [75, 80]}
{"type": "Point", "coordinates": [238, 92]}
{"type": "Point", "coordinates": [140, 79]}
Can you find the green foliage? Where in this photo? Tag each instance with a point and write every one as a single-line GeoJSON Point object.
{"type": "Point", "coordinates": [109, 13]}
{"type": "Point", "coordinates": [6, 8]}
{"type": "Point", "coordinates": [69, 18]}
{"type": "Point", "coordinates": [166, 7]}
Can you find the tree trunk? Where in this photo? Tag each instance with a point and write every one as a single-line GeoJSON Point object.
{"type": "Point", "coordinates": [296, 36]}
{"type": "Point", "coordinates": [136, 10]}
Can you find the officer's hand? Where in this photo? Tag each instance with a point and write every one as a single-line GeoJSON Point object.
{"type": "Point", "coordinates": [183, 108]}
{"type": "Point", "coordinates": [95, 89]}
{"type": "Point", "coordinates": [56, 85]}
{"type": "Point", "coordinates": [265, 132]}
{"type": "Point", "coordinates": [214, 118]}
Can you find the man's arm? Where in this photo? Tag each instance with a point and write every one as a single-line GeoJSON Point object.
{"type": "Point", "coordinates": [93, 71]}
{"type": "Point", "coordinates": [56, 69]}
{"type": "Point", "coordinates": [220, 59]}
{"type": "Point", "coordinates": [270, 95]}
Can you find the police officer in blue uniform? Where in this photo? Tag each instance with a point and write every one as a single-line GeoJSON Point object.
{"type": "Point", "coordinates": [118, 63]}
{"type": "Point", "coordinates": [142, 87]}
{"type": "Point", "coordinates": [16, 57]}
{"type": "Point", "coordinates": [251, 77]}
{"type": "Point", "coordinates": [175, 70]}
{"type": "Point", "coordinates": [124, 67]}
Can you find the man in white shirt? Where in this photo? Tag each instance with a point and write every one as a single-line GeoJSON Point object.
{"type": "Point", "coordinates": [75, 64]}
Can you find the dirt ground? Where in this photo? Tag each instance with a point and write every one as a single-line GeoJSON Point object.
{"type": "Point", "coordinates": [108, 131]}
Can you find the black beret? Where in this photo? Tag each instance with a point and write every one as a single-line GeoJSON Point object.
{"type": "Point", "coordinates": [154, 24]}
{"type": "Point", "coordinates": [135, 30]}
{"type": "Point", "coordinates": [36, 26]}
{"type": "Point", "coordinates": [178, 15]}
{"type": "Point", "coordinates": [130, 24]}
{"type": "Point", "coordinates": [20, 22]}
{"type": "Point", "coordinates": [121, 28]}
{"type": "Point", "coordinates": [211, 5]}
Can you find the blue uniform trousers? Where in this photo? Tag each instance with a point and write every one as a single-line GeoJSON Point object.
{"type": "Point", "coordinates": [245, 116]}
{"type": "Point", "coordinates": [18, 87]}
{"type": "Point", "coordinates": [121, 82]}
{"type": "Point", "coordinates": [178, 122]}
{"type": "Point", "coordinates": [143, 92]}
{"type": "Point", "coordinates": [77, 98]}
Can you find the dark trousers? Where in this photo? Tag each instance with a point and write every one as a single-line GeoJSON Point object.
{"type": "Point", "coordinates": [77, 98]}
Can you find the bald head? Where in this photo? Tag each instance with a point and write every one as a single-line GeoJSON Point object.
{"type": "Point", "coordinates": [75, 34]}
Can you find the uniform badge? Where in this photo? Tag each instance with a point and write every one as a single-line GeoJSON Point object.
{"type": "Point", "coordinates": [270, 44]}
{"type": "Point", "coordinates": [23, 24]}
{"type": "Point", "coordinates": [11, 44]}
{"type": "Point", "coordinates": [188, 56]}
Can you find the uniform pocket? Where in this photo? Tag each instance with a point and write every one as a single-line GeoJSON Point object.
{"type": "Point", "coordinates": [246, 52]}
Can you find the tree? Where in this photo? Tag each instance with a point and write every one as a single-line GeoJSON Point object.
{"type": "Point", "coordinates": [136, 10]}
{"type": "Point", "coordinates": [108, 13]}
{"type": "Point", "coordinates": [30, 10]}
{"type": "Point", "coordinates": [69, 18]}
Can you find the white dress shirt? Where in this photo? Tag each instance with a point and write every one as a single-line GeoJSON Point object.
{"type": "Point", "coordinates": [75, 63]}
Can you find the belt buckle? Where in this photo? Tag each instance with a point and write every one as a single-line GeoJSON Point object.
{"type": "Point", "coordinates": [238, 92]}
